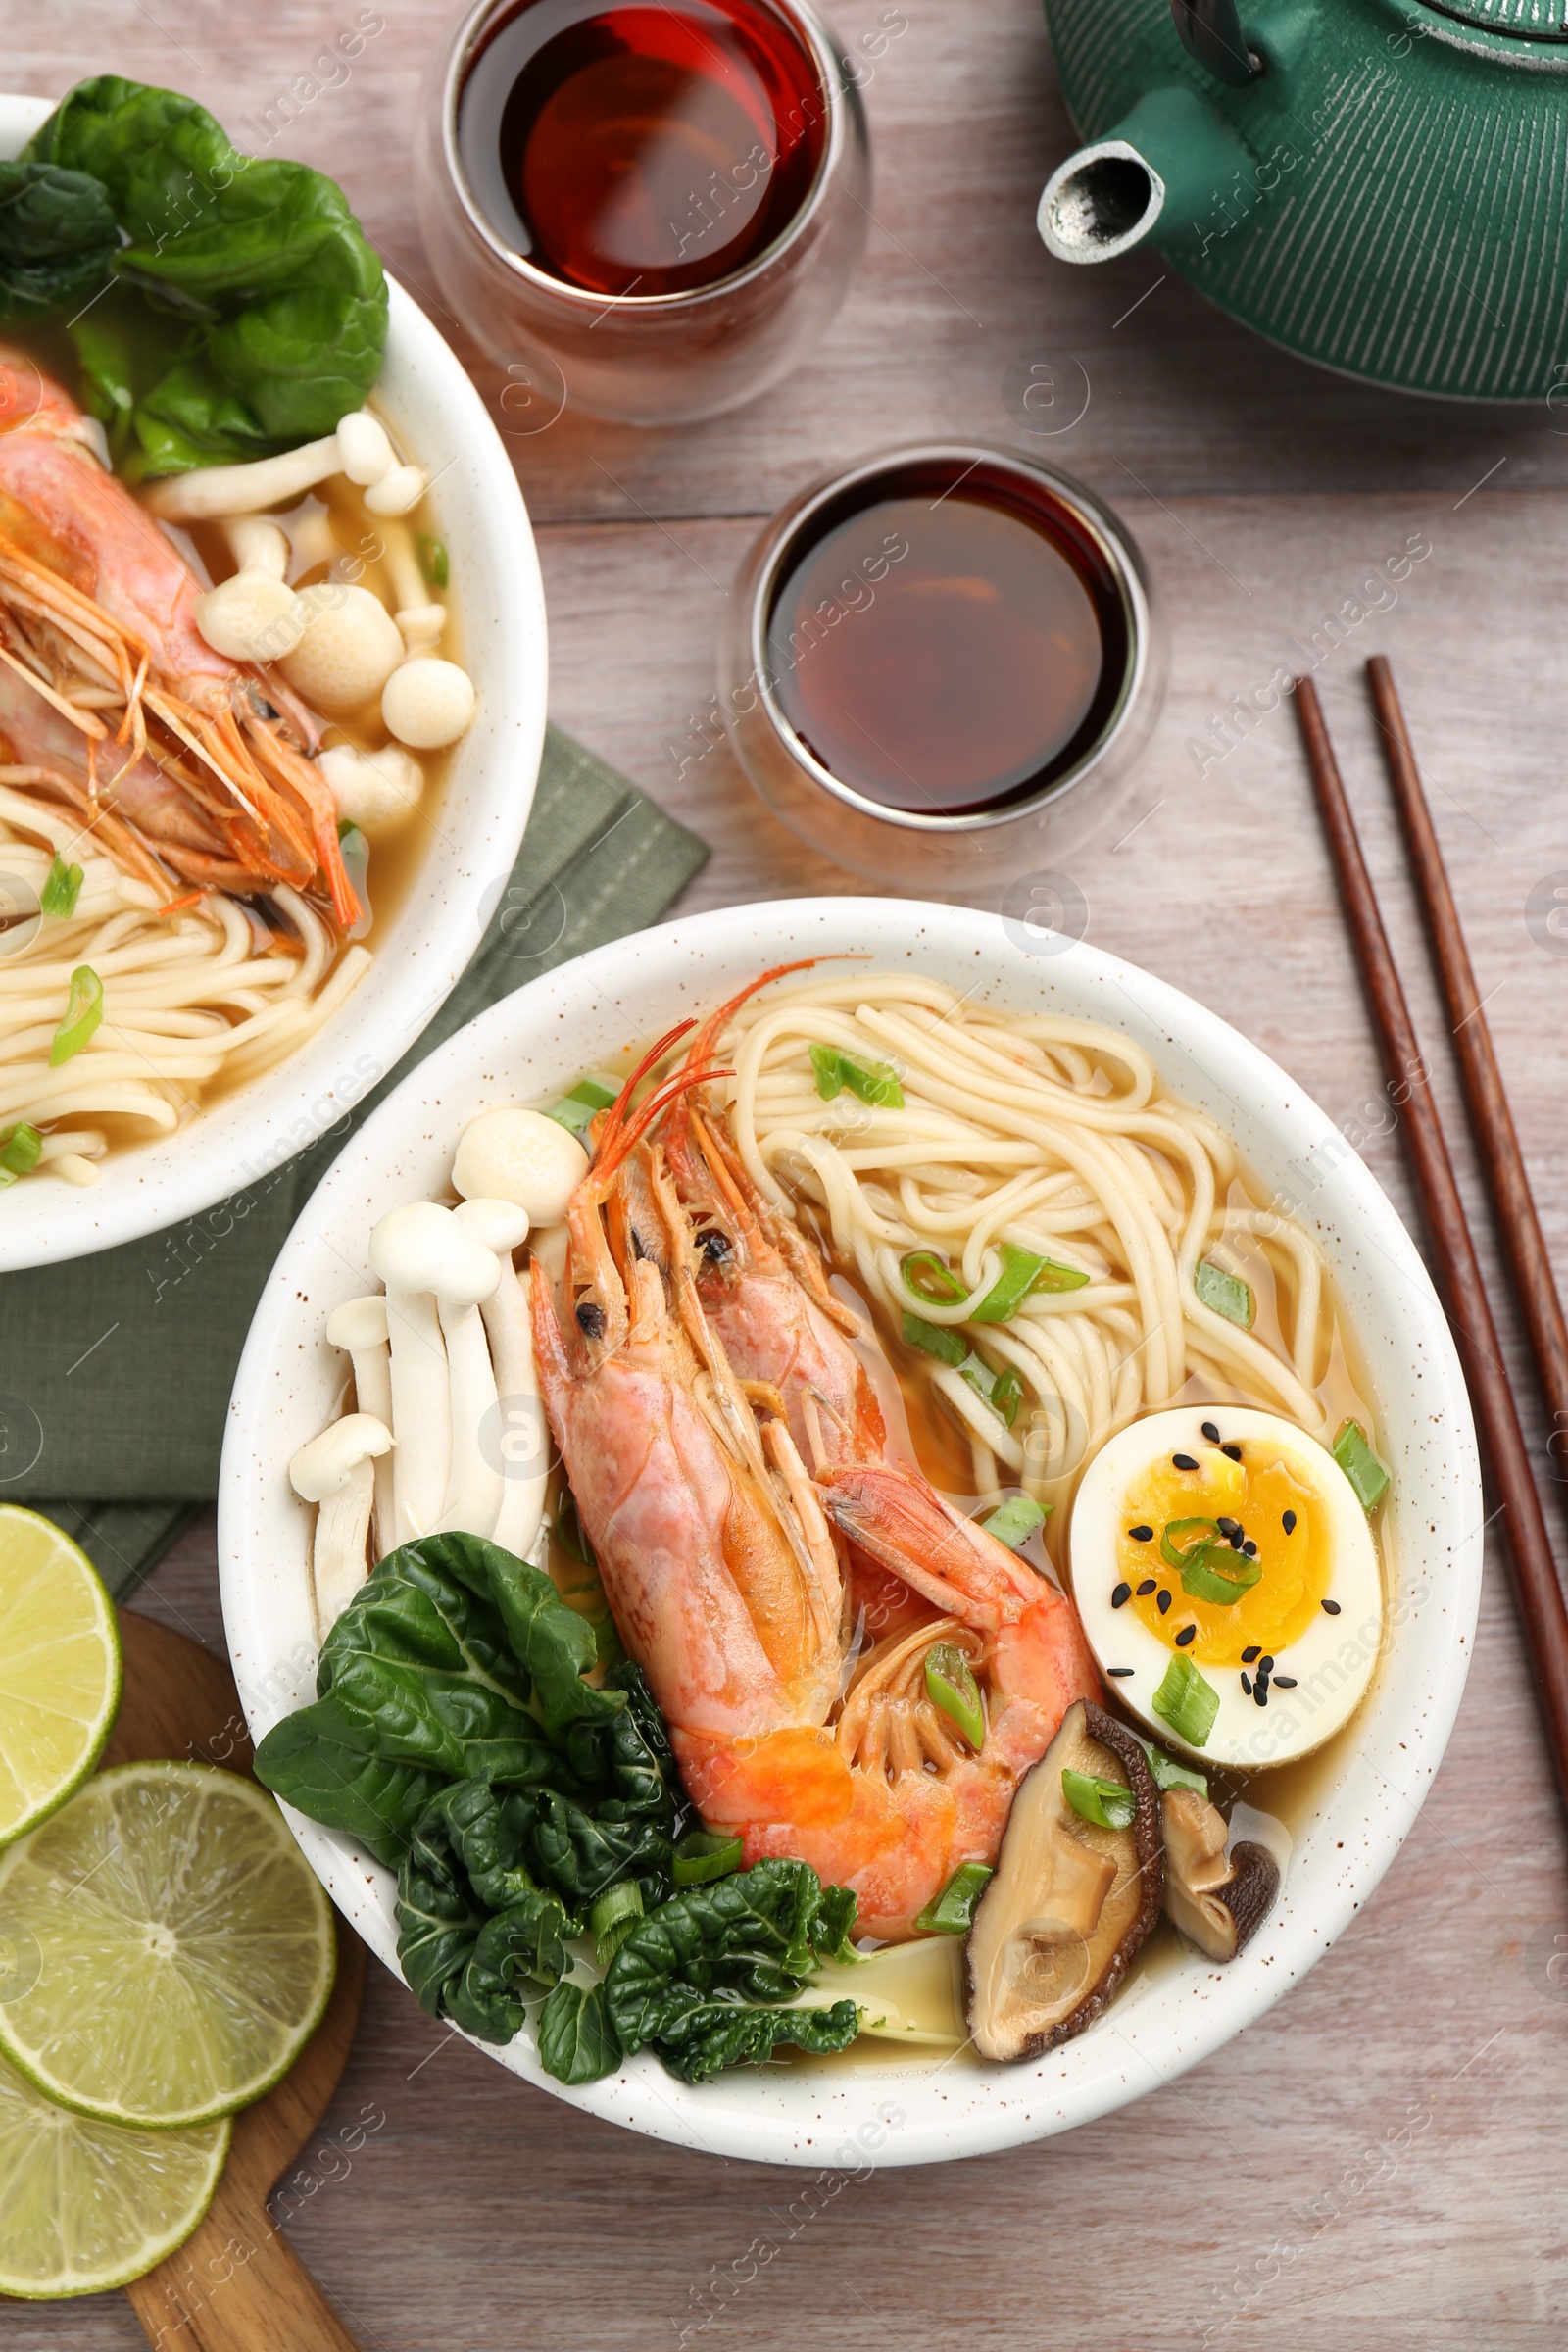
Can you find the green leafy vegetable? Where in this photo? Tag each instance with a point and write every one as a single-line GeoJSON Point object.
{"type": "Point", "coordinates": [58, 238]}
{"type": "Point", "coordinates": [62, 890]}
{"type": "Point", "coordinates": [875, 1082]}
{"type": "Point", "coordinates": [576, 2040]}
{"type": "Point", "coordinates": [1166, 1772]}
{"type": "Point", "coordinates": [686, 1978]}
{"type": "Point", "coordinates": [85, 1010]}
{"type": "Point", "coordinates": [374, 1802]}
{"type": "Point", "coordinates": [927, 1276]}
{"type": "Point", "coordinates": [474, 1927]}
{"type": "Point", "coordinates": [1016, 1520]}
{"type": "Point", "coordinates": [1022, 1272]}
{"type": "Point", "coordinates": [1356, 1457]}
{"type": "Point", "coordinates": [952, 1913]}
{"type": "Point", "coordinates": [1225, 1293]}
{"type": "Point", "coordinates": [950, 1685]}
{"type": "Point", "coordinates": [248, 312]}
{"type": "Point", "coordinates": [1108, 1805]}
{"type": "Point", "coordinates": [1186, 1701]}
{"type": "Point", "coordinates": [704, 1856]}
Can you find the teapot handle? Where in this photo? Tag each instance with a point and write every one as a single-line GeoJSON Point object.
{"type": "Point", "coordinates": [1211, 30]}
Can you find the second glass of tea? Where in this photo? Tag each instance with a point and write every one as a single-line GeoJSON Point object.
{"type": "Point", "coordinates": [648, 210]}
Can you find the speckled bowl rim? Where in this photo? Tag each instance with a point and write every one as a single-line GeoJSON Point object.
{"type": "Point", "coordinates": [496, 587]}
{"type": "Point", "coordinates": [289, 1383]}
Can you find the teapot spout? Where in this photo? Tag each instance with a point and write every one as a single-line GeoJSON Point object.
{"type": "Point", "coordinates": [1169, 165]}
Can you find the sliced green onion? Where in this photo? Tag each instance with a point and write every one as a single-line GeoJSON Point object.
{"type": "Point", "coordinates": [1108, 1805]}
{"type": "Point", "coordinates": [1016, 1520]}
{"type": "Point", "coordinates": [705, 1854]}
{"type": "Point", "coordinates": [1186, 1701]}
{"type": "Point", "coordinates": [1225, 1293]}
{"type": "Point", "coordinates": [952, 1913]}
{"type": "Point", "coordinates": [612, 1919]}
{"type": "Point", "coordinates": [577, 1109]}
{"type": "Point", "coordinates": [1356, 1457]}
{"type": "Point", "coordinates": [19, 1154]}
{"type": "Point", "coordinates": [934, 1340]}
{"type": "Point", "coordinates": [875, 1082]}
{"type": "Point", "coordinates": [1023, 1271]}
{"type": "Point", "coordinates": [85, 1010]}
{"type": "Point", "coordinates": [1179, 1556]}
{"type": "Point", "coordinates": [1167, 1773]}
{"type": "Point", "coordinates": [928, 1277]}
{"type": "Point", "coordinates": [1007, 1393]}
{"type": "Point", "coordinates": [62, 890]}
{"type": "Point", "coordinates": [1220, 1575]}
{"type": "Point", "coordinates": [433, 559]}
{"type": "Point", "coordinates": [951, 1686]}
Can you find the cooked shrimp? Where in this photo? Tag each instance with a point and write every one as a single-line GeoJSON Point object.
{"type": "Point", "coordinates": [111, 688]}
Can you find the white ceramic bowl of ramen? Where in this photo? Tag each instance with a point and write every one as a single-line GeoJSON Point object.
{"type": "Point", "coordinates": [498, 600]}
{"type": "Point", "coordinates": [1358, 1808]}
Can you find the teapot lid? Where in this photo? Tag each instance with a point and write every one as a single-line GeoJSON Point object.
{"type": "Point", "coordinates": [1525, 20]}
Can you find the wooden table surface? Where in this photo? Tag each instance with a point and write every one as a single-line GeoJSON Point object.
{"type": "Point", "coordinates": [1378, 2161]}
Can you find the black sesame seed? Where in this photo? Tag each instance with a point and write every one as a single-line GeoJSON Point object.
{"type": "Point", "coordinates": [1211, 1433]}
{"type": "Point", "coordinates": [1233, 1453]}
{"type": "Point", "coordinates": [1142, 1535]}
{"type": "Point", "coordinates": [1250, 1548]}
{"type": "Point", "coordinates": [1184, 1462]}
{"type": "Point", "coordinates": [1250, 1654]}
{"type": "Point", "coordinates": [1333, 1607]}
{"type": "Point", "coordinates": [1189, 1633]}
{"type": "Point", "coordinates": [1145, 1588]}
{"type": "Point", "coordinates": [1122, 1593]}
{"type": "Point", "coordinates": [1163, 1603]}
{"type": "Point", "coordinates": [1230, 1528]}
{"type": "Point", "coordinates": [1238, 1542]}
{"type": "Point", "coordinates": [1260, 1690]}
{"type": "Point", "coordinates": [1288, 1522]}
{"type": "Point", "coordinates": [1284, 1681]}
{"type": "Point", "coordinates": [1118, 1671]}
{"type": "Point", "coordinates": [1265, 1665]}
{"type": "Point", "coordinates": [1247, 1685]}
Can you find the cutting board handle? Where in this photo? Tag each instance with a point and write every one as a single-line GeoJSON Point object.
{"type": "Point", "coordinates": [237, 2285]}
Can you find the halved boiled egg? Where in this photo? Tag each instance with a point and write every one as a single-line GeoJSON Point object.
{"type": "Point", "coordinates": [1227, 1579]}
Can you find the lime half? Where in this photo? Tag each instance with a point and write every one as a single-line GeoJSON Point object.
{"type": "Point", "coordinates": [171, 1949]}
{"type": "Point", "coordinates": [91, 2205]}
{"type": "Point", "coordinates": [59, 1668]}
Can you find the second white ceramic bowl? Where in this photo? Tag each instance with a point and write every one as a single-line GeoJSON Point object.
{"type": "Point", "coordinates": [882, 2109]}
{"type": "Point", "coordinates": [497, 591]}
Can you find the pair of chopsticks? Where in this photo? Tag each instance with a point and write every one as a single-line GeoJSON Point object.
{"type": "Point", "coordinates": [1452, 1251]}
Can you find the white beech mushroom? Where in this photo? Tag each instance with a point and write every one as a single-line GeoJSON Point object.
{"type": "Point", "coordinates": [255, 615]}
{"type": "Point", "coordinates": [424, 1250]}
{"type": "Point", "coordinates": [374, 790]}
{"type": "Point", "coordinates": [334, 1471]}
{"type": "Point", "coordinates": [359, 1328]}
{"type": "Point", "coordinates": [360, 449]}
{"type": "Point", "coordinates": [519, 1155]}
{"type": "Point", "coordinates": [398, 490]}
{"type": "Point", "coordinates": [421, 1404]}
{"type": "Point", "coordinates": [364, 452]}
{"type": "Point", "coordinates": [520, 1432]}
{"type": "Point", "coordinates": [1219, 1901]}
{"type": "Point", "coordinates": [428, 702]}
{"type": "Point", "coordinates": [349, 650]}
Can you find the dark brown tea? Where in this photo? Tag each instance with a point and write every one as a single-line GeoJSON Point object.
{"type": "Point", "coordinates": [947, 642]}
{"type": "Point", "coordinates": [639, 150]}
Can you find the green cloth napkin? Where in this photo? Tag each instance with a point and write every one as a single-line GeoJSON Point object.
{"type": "Point", "coordinates": [116, 1370]}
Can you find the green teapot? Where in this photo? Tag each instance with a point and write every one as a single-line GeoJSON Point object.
{"type": "Point", "coordinates": [1379, 185]}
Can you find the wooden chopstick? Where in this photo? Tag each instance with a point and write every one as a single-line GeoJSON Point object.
{"type": "Point", "coordinates": [1492, 1121]}
{"type": "Point", "coordinates": [1453, 1252]}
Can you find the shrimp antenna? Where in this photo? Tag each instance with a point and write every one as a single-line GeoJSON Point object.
{"type": "Point", "coordinates": [701, 1044]}
{"type": "Point", "coordinates": [656, 1053]}
{"type": "Point", "coordinates": [627, 1137]}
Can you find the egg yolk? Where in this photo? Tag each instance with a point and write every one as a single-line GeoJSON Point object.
{"type": "Point", "coordinates": [1276, 1505]}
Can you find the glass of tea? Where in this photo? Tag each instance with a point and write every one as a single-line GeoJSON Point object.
{"type": "Point", "coordinates": [647, 210]}
{"type": "Point", "coordinates": [940, 666]}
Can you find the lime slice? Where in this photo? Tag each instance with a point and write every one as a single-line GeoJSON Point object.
{"type": "Point", "coordinates": [91, 2205]}
{"type": "Point", "coordinates": [171, 1949]}
{"type": "Point", "coordinates": [59, 1668]}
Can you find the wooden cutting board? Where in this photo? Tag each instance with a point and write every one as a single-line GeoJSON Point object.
{"type": "Point", "coordinates": [235, 2286]}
